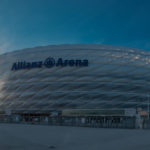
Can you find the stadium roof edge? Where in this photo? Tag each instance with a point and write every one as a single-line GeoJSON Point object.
{"type": "Point", "coordinates": [79, 46]}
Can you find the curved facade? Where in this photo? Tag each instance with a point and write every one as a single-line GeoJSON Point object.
{"type": "Point", "coordinates": [86, 77]}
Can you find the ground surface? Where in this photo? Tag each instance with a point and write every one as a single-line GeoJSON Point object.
{"type": "Point", "coordinates": [36, 137]}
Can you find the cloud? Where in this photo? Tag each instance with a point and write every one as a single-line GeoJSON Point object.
{"type": "Point", "coordinates": [6, 41]}
{"type": "Point", "coordinates": [5, 44]}
{"type": "Point", "coordinates": [4, 47]}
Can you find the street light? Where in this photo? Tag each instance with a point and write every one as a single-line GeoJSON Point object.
{"type": "Point", "coordinates": [148, 107]}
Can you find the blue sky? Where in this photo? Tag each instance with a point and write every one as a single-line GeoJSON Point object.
{"type": "Point", "coordinates": [29, 23]}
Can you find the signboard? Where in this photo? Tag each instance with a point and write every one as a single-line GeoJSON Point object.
{"type": "Point", "coordinates": [54, 114]}
{"type": "Point", "coordinates": [8, 112]}
{"type": "Point", "coordinates": [49, 63]}
{"type": "Point", "coordinates": [130, 112]}
{"type": "Point", "coordinates": [92, 112]}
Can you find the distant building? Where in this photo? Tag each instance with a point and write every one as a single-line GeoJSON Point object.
{"type": "Point", "coordinates": [59, 77]}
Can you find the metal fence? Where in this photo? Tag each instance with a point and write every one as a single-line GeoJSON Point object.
{"type": "Point", "coordinates": [88, 121]}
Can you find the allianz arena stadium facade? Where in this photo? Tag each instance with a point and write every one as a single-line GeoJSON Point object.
{"type": "Point", "coordinates": [62, 77]}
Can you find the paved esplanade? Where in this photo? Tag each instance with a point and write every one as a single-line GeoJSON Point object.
{"type": "Point", "coordinates": [36, 137]}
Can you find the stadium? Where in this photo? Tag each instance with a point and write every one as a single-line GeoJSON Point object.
{"type": "Point", "coordinates": [74, 80]}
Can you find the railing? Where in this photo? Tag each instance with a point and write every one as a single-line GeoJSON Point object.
{"type": "Point", "coordinates": [92, 121]}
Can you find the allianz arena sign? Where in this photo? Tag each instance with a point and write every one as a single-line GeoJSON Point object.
{"type": "Point", "coordinates": [49, 63]}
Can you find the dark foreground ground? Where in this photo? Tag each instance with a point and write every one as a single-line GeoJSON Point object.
{"type": "Point", "coordinates": [36, 137]}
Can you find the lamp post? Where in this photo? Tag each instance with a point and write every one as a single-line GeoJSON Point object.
{"type": "Point", "coordinates": [148, 107]}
